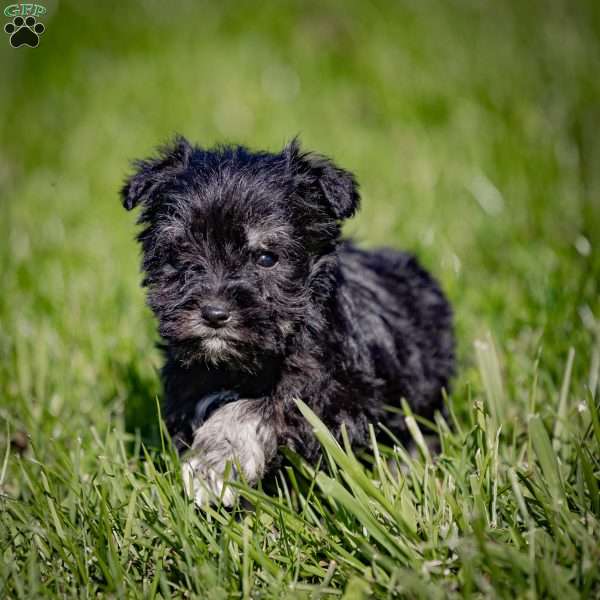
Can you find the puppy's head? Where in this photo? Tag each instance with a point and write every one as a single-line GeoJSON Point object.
{"type": "Point", "coordinates": [238, 247]}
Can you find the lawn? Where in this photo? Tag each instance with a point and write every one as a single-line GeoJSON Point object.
{"type": "Point", "coordinates": [473, 129]}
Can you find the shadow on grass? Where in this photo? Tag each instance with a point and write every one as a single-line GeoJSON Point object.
{"type": "Point", "coordinates": [140, 388]}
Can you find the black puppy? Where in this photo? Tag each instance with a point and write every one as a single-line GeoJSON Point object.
{"type": "Point", "coordinates": [259, 302]}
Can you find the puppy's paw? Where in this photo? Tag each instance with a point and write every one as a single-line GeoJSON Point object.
{"type": "Point", "coordinates": [205, 484]}
{"type": "Point", "coordinates": [237, 434]}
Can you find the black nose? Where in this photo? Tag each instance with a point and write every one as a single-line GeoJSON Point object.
{"type": "Point", "coordinates": [215, 316]}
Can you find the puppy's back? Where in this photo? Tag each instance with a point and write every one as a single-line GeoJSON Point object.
{"type": "Point", "coordinates": [405, 320]}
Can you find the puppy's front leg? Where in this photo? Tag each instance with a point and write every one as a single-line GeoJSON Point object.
{"type": "Point", "coordinates": [240, 433]}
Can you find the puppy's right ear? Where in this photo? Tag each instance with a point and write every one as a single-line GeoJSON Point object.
{"type": "Point", "coordinates": [152, 173]}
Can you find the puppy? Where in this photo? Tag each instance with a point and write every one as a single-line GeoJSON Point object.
{"type": "Point", "coordinates": [260, 302]}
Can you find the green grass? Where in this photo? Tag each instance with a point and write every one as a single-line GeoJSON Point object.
{"type": "Point", "coordinates": [473, 128]}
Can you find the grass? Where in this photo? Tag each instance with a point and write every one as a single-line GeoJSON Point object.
{"type": "Point", "coordinates": [472, 128]}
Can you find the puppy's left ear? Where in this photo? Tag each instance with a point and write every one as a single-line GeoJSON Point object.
{"type": "Point", "coordinates": [151, 174]}
{"type": "Point", "coordinates": [337, 187]}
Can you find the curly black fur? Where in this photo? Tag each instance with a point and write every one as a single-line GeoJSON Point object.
{"type": "Point", "coordinates": [345, 330]}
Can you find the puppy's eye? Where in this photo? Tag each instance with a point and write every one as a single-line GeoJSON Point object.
{"type": "Point", "coordinates": [266, 259]}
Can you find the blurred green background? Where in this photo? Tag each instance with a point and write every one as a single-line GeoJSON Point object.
{"type": "Point", "coordinates": [471, 125]}
{"type": "Point", "coordinates": [473, 128]}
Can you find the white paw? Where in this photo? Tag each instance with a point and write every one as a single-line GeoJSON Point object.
{"type": "Point", "coordinates": [206, 485]}
{"type": "Point", "coordinates": [236, 435]}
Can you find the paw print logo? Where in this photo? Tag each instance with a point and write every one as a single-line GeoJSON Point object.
{"type": "Point", "coordinates": [24, 32]}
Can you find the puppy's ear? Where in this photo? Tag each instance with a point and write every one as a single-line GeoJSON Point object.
{"type": "Point", "coordinates": [337, 187]}
{"type": "Point", "coordinates": [150, 174]}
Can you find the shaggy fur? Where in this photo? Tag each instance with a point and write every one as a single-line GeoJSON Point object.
{"type": "Point", "coordinates": [259, 302]}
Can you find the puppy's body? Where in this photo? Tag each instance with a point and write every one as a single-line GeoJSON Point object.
{"type": "Point", "coordinates": [349, 366]}
{"type": "Point", "coordinates": [259, 303]}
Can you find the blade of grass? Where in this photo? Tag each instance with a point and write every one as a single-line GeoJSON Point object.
{"type": "Point", "coordinates": [547, 459]}
{"type": "Point", "coordinates": [561, 413]}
